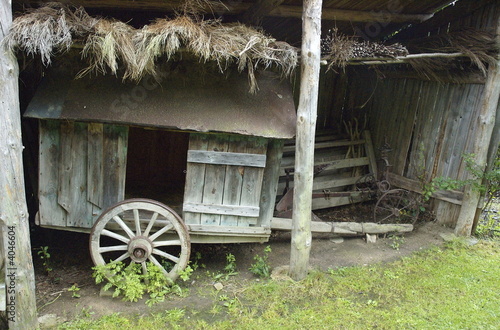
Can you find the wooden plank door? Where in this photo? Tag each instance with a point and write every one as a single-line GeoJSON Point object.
{"type": "Point", "coordinates": [224, 180]}
{"type": "Point", "coordinates": [82, 171]}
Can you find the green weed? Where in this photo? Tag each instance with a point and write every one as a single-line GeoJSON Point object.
{"type": "Point", "coordinates": [75, 291]}
{"type": "Point", "coordinates": [44, 254]}
{"type": "Point", "coordinates": [130, 283]}
{"type": "Point", "coordinates": [230, 269]}
{"type": "Point", "coordinates": [261, 266]}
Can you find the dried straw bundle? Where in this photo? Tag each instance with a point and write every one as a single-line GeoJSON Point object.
{"type": "Point", "coordinates": [109, 44]}
{"type": "Point", "coordinates": [339, 49]}
{"type": "Point", "coordinates": [49, 29]}
{"type": "Point", "coordinates": [210, 40]}
{"type": "Point", "coordinates": [479, 46]}
{"type": "Point", "coordinates": [165, 38]}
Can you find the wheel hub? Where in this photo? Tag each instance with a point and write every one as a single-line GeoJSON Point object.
{"type": "Point", "coordinates": [140, 248]}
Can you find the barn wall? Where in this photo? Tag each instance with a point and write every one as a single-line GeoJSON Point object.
{"type": "Point", "coordinates": [428, 124]}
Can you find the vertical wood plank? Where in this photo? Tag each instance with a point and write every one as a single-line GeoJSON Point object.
{"type": "Point", "coordinates": [252, 181]}
{"type": "Point", "coordinates": [213, 191]}
{"type": "Point", "coordinates": [370, 153]}
{"type": "Point", "coordinates": [195, 178]}
{"type": "Point", "coordinates": [114, 164]}
{"type": "Point", "coordinates": [270, 182]}
{"type": "Point", "coordinates": [50, 212]}
{"type": "Point", "coordinates": [73, 175]}
{"type": "Point", "coordinates": [95, 177]}
{"type": "Point", "coordinates": [233, 181]}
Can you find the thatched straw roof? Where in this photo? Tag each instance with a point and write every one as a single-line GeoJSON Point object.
{"type": "Point", "coordinates": [110, 44]}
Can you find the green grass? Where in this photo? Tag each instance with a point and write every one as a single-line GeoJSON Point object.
{"type": "Point", "coordinates": [453, 287]}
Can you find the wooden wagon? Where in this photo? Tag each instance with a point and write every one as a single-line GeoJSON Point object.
{"type": "Point", "coordinates": [202, 145]}
{"type": "Point", "coordinates": [149, 168]}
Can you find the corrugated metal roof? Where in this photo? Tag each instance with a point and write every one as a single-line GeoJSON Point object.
{"type": "Point", "coordinates": [180, 102]}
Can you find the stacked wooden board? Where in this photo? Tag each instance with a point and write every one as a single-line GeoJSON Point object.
{"type": "Point", "coordinates": [337, 169]}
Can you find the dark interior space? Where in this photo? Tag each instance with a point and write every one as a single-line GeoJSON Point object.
{"type": "Point", "coordinates": [156, 165]}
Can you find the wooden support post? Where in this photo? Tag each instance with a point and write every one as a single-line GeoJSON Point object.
{"type": "Point", "coordinates": [19, 275]}
{"type": "Point", "coordinates": [304, 148]}
{"type": "Point", "coordinates": [482, 140]}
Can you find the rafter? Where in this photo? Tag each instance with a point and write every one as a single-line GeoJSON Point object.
{"type": "Point", "coordinates": [353, 15]}
{"type": "Point", "coordinates": [256, 12]}
{"type": "Point", "coordinates": [260, 8]}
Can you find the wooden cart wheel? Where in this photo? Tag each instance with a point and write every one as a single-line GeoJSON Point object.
{"type": "Point", "coordinates": [141, 230]}
{"type": "Point", "coordinates": [396, 206]}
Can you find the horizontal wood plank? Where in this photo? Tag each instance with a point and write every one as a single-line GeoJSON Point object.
{"type": "Point", "coordinates": [323, 203]}
{"type": "Point", "coordinates": [326, 182]}
{"type": "Point", "coordinates": [333, 165]}
{"type": "Point", "coordinates": [233, 230]}
{"type": "Point", "coordinates": [450, 196]}
{"type": "Point", "coordinates": [327, 144]}
{"type": "Point", "coordinates": [344, 228]}
{"type": "Point", "coordinates": [226, 158]}
{"type": "Point", "coordinates": [243, 211]}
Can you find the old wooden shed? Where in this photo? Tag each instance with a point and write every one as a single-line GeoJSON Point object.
{"type": "Point", "coordinates": [430, 117]}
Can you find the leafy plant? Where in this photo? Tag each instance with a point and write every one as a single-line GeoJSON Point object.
{"type": "Point", "coordinates": [229, 270]}
{"type": "Point", "coordinates": [75, 290]}
{"type": "Point", "coordinates": [45, 256]}
{"type": "Point", "coordinates": [195, 262]}
{"type": "Point", "coordinates": [396, 241]}
{"type": "Point", "coordinates": [261, 266]}
{"type": "Point", "coordinates": [132, 284]}
{"type": "Point", "coordinates": [186, 273]}
{"type": "Point", "coordinates": [230, 267]}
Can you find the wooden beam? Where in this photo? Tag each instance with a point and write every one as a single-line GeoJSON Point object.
{"type": "Point", "coordinates": [306, 126]}
{"type": "Point", "coordinates": [259, 9]}
{"type": "Point", "coordinates": [481, 142]}
{"type": "Point", "coordinates": [439, 76]}
{"type": "Point", "coordinates": [333, 14]}
{"type": "Point", "coordinates": [402, 59]}
{"type": "Point", "coordinates": [256, 12]}
{"type": "Point", "coordinates": [450, 196]}
{"type": "Point", "coordinates": [345, 228]}
{"type": "Point", "coordinates": [14, 226]}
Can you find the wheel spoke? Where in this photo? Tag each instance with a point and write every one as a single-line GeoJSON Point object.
{"type": "Point", "coordinates": [144, 268]}
{"type": "Point", "coordinates": [124, 226]}
{"type": "Point", "coordinates": [122, 257]}
{"type": "Point", "coordinates": [160, 232]}
{"type": "Point", "coordinates": [113, 248]}
{"type": "Point", "coordinates": [119, 237]}
{"type": "Point", "coordinates": [150, 224]}
{"type": "Point", "coordinates": [154, 261]}
{"type": "Point", "coordinates": [137, 222]}
{"type": "Point", "coordinates": [166, 255]}
{"type": "Point", "coordinates": [166, 243]}
{"type": "Point", "coordinates": [387, 217]}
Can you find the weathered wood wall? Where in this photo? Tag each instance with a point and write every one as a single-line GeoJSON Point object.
{"type": "Point", "coordinates": [82, 171]}
{"type": "Point", "coordinates": [429, 124]}
{"type": "Point", "coordinates": [224, 180]}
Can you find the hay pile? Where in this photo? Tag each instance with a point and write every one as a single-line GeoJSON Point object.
{"type": "Point", "coordinates": [113, 45]}
{"type": "Point", "coordinates": [339, 49]}
{"type": "Point", "coordinates": [479, 46]}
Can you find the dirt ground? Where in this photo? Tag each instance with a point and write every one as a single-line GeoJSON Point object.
{"type": "Point", "coordinates": [71, 264]}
